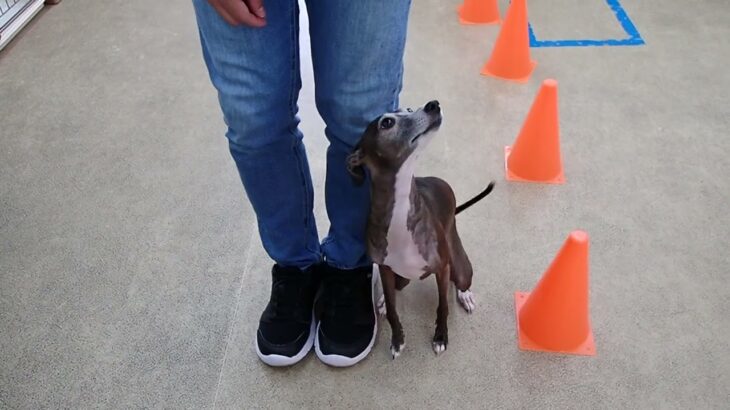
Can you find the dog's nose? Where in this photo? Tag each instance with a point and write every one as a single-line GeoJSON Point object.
{"type": "Point", "coordinates": [432, 106]}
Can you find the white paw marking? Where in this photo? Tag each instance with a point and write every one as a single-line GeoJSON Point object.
{"type": "Point", "coordinates": [466, 300]}
{"type": "Point", "coordinates": [380, 305]}
{"type": "Point", "coordinates": [438, 347]}
{"type": "Point", "coordinates": [396, 352]}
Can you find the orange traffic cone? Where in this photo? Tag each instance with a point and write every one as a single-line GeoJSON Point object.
{"type": "Point", "coordinates": [535, 155]}
{"type": "Point", "coordinates": [479, 12]}
{"type": "Point", "coordinates": [510, 59]}
{"type": "Point", "coordinates": [554, 317]}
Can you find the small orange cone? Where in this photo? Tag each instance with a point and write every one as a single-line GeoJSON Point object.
{"type": "Point", "coordinates": [479, 12]}
{"type": "Point", "coordinates": [535, 155]}
{"type": "Point", "coordinates": [554, 317]}
{"type": "Point", "coordinates": [510, 59]}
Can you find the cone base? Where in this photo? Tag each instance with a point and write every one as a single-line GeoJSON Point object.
{"type": "Point", "coordinates": [520, 80]}
{"type": "Point", "coordinates": [474, 23]}
{"type": "Point", "coordinates": [587, 348]}
{"type": "Point", "coordinates": [510, 176]}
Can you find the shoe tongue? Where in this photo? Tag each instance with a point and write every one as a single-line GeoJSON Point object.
{"type": "Point", "coordinates": [279, 270]}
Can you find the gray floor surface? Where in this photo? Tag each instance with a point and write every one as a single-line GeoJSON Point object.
{"type": "Point", "coordinates": [131, 274]}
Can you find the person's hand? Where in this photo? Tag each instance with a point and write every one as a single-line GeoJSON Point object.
{"type": "Point", "coordinates": [236, 12]}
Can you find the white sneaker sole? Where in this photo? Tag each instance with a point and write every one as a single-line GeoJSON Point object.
{"type": "Point", "coordinates": [277, 360]}
{"type": "Point", "coordinates": [336, 360]}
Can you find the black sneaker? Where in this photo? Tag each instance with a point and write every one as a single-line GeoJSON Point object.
{"type": "Point", "coordinates": [347, 327]}
{"type": "Point", "coordinates": [286, 328]}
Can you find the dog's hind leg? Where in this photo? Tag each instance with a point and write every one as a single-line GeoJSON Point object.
{"type": "Point", "coordinates": [397, 341]}
{"type": "Point", "coordinates": [461, 271]}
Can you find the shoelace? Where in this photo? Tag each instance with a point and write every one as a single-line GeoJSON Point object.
{"type": "Point", "coordinates": [288, 297]}
{"type": "Point", "coordinates": [344, 296]}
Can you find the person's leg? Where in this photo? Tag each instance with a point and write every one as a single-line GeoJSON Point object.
{"type": "Point", "coordinates": [357, 52]}
{"type": "Point", "coordinates": [256, 73]}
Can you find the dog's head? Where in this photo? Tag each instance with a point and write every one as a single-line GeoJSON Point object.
{"type": "Point", "coordinates": [393, 137]}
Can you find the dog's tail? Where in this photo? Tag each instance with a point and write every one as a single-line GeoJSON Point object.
{"type": "Point", "coordinates": [476, 199]}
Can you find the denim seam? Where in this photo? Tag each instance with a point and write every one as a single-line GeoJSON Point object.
{"type": "Point", "coordinates": [295, 82]}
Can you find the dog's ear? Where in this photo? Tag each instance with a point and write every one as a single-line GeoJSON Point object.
{"type": "Point", "coordinates": [355, 165]}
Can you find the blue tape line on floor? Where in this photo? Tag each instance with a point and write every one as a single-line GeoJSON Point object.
{"type": "Point", "coordinates": [634, 38]}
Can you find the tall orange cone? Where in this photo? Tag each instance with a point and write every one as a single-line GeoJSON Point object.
{"type": "Point", "coordinates": [510, 59]}
{"type": "Point", "coordinates": [479, 12]}
{"type": "Point", "coordinates": [554, 317]}
{"type": "Point", "coordinates": [535, 155]}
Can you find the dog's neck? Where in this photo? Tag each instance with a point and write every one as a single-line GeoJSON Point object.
{"type": "Point", "coordinates": [405, 180]}
{"type": "Point", "coordinates": [389, 190]}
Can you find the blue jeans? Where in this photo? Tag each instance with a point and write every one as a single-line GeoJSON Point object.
{"type": "Point", "coordinates": [357, 53]}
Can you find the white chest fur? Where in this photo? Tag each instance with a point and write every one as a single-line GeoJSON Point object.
{"type": "Point", "coordinates": [402, 252]}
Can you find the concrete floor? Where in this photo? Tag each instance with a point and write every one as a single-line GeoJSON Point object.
{"type": "Point", "coordinates": [131, 275]}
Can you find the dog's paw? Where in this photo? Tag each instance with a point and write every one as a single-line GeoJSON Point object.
{"type": "Point", "coordinates": [395, 350]}
{"type": "Point", "coordinates": [440, 341]}
{"type": "Point", "coordinates": [438, 347]}
{"type": "Point", "coordinates": [466, 300]}
{"type": "Point", "coordinates": [380, 305]}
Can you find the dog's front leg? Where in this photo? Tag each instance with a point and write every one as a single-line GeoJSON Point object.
{"type": "Point", "coordinates": [397, 341]}
{"type": "Point", "coordinates": [441, 337]}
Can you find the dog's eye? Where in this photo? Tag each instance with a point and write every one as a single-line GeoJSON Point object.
{"type": "Point", "coordinates": [387, 123]}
